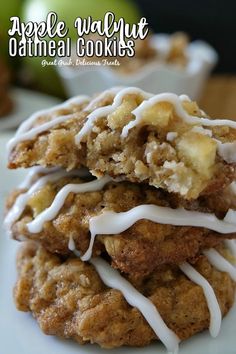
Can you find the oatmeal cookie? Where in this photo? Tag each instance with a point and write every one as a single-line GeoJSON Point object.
{"type": "Point", "coordinates": [139, 249]}
{"type": "Point", "coordinates": [163, 140]}
{"type": "Point", "coordinates": [69, 300]}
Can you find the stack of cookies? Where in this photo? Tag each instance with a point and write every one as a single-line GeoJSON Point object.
{"type": "Point", "coordinates": [128, 218]}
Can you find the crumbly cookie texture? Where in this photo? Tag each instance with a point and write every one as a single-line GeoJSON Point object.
{"type": "Point", "coordinates": [69, 300]}
{"type": "Point", "coordinates": [136, 251]}
{"type": "Point", "coordinates": [186, 162]}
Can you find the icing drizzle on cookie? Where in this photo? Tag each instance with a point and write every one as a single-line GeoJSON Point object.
{"type": "Point", "coordinates": [113, 279]}
{"type": "Point", "coordinates": [27, 124]}
{"type": "Point", "coordinates": [231, 245]}
{"type": "Point", "coordinates": [102, 112]}
{"type": "Point", "coordinates": [219, 262]}
{"type": "Point", "coordinates": [50, 213]}
{"type": "Point", "coordinates": [213, 305]}
{"type": "Point", "coordinates": [177, 103]}
{"type": "Point", "coordinates": [33, 173]}
{"type": "Point", "coordinates": [21, 201]}
{"type": "Point", "coordinates": [110, 222]}
{"type": "Point", "coordinates": [26, 132]}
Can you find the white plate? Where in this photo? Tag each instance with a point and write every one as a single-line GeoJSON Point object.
{"type": "Point", "coordinates": [19, 332]}
{"type": "Point", "coordinates": [25, 102]}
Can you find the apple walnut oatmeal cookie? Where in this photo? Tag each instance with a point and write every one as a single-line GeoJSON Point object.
{"type": "Point", "coordinates": [163, 140]}
{"type": "Point", "coordinates": [138, 250]}
{"type": "Point", "coordinates": [128, 213]}
{"type": "Point", "coordinates": [69, 299]}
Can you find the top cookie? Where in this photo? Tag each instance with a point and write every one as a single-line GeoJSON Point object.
{"type": "Point", "coordinates": [164, 140]}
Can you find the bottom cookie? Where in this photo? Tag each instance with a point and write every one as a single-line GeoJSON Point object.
{"type": "Point", "coordinates": [69, 299]}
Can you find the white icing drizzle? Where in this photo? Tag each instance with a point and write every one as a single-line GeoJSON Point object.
{"type": "Point", "coordinates": [106, 110]}
{"type": "Point", "coordinates": [111, 91]}
{"type": "Point", "coordinates": [29, 135]}
{"type": "Point", "coordinates": [71, 244]}
{"type": "Point", "coordinates": [184, 98]}
{"type": "Point", "coordinates": [25, 132]}
{"type": "Point", "coordinates": [219, 262]}
{"type": "Point", "coordinates": [114, 280]}
{"type": "Point", "coordinates": [50, 213]}
{"type": "Point", "coordinates": [231, 244]}
{"type": "Point", "coordinates": [213, 305]}
{"type": "Point", "coordinates": [27, 124]}
{"type": "Point", "coordinates": [226, 150]}
{"type": "Point", "coordinates": [177, 103]}
{"type": "Point", "coordinates": [21, 201]}
{"type": "Point", "coordinates": [230, 217]}
{"type": "Point", "coordinates": [201, 130]}
{"type": "Point", "coordinates": [110, 222]}
{"type": "Point", "coordinates": [33, 172]}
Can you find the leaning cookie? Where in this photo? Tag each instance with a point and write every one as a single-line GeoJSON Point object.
{"type": "Point", "coordinates": [69, 299]}
{"type": "Point", "coordinates": [163, 140]}
{"type": "Point", "coordinates": [138, 226]}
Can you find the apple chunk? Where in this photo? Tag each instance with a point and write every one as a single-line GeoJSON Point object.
{"type": "Point", "coordinates": [158, 115]}
{"type": "Point", "coordinates": [41, 199]}
{"type": "Point", "coordinates": [198, 151]}
{"type": "Point", "coordinates": [122, 115]}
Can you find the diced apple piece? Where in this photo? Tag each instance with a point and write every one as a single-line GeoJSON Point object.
{"type": "Point", "coordinates": [198, 151]}
{"type": "Point", "coordinates": [122, 115]}
{"type": "Point", "coordinates": [192, 108]}
{"type": "Point", "coordinates": [41, 199]}
{"type": "Point", "coordinates": [158, 115]}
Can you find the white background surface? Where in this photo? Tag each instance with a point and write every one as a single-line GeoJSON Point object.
{"type": "Point", "coordinates": [19, 332]}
